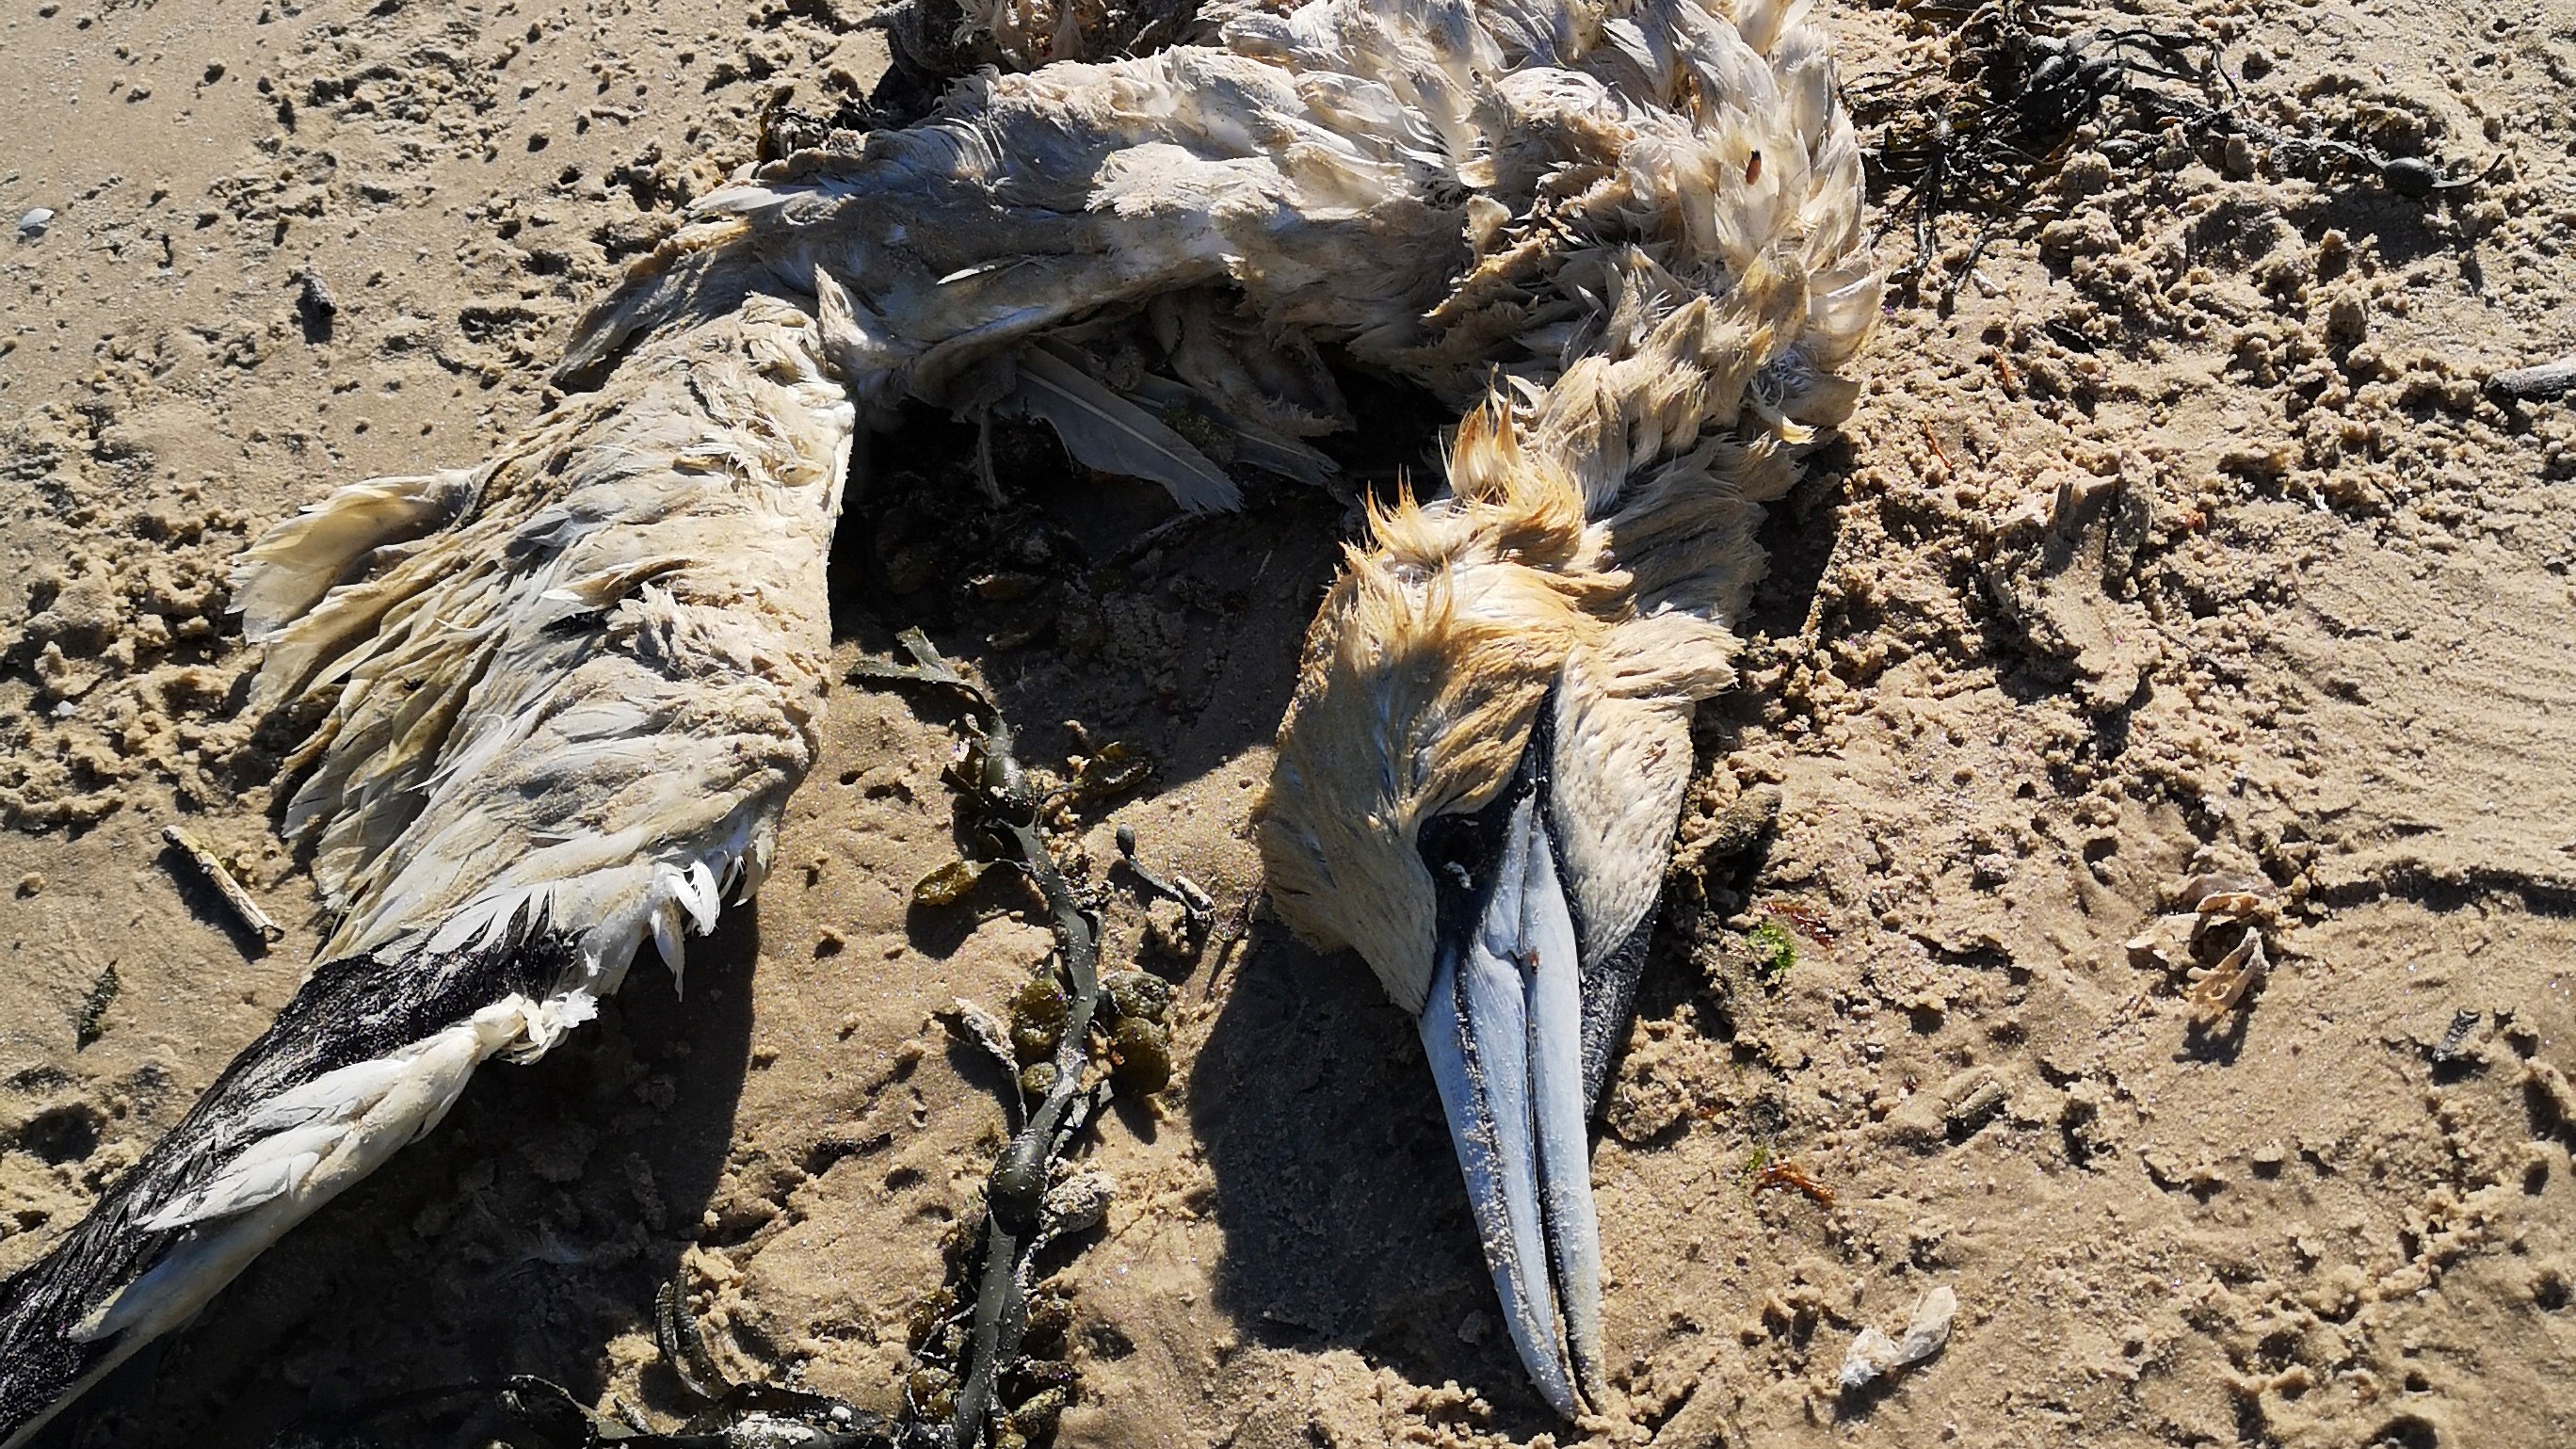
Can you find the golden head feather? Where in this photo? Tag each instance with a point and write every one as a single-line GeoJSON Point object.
{"type": "Point", "coordinates": [1596, 544]}
{"type": "Point", "coordinates": [1423, 674]}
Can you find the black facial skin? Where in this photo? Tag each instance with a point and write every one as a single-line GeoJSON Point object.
{"type": "Point", "coordinates": [1459, 851]}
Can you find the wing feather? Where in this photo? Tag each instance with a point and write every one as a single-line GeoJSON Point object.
{"type": "Point", "coordinates": [1105, 431]}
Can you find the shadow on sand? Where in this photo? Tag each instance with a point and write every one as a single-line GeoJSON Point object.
{"type": "Point", "coordinates": [1338, 1193]}
{"type": "Point", "coordinates": [528, 1229]}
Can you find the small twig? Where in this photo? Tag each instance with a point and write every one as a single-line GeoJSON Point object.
{"type": "Point", "coordinates": [230, 889]}
{"type": "Point", "coordinates": [1153, 538]}
{"type": "Point", "coordinates": [2535, 384]}
{"type": "Point", "coordinates": [1237, 932]}
{"type": "Point", "coordinates": [985, 477]}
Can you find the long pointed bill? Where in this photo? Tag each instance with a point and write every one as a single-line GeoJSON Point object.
{"type": "Point", "coordinates": [1504, 1030]}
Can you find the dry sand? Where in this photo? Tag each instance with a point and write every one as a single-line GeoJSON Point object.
{"type": "Point", "coordinates": [2186, 545]}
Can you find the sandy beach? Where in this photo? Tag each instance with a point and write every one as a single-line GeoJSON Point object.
{"type": "Point", "coordinates": [2186, 556]}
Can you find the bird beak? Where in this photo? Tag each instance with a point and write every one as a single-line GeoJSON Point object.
{"type": "Point", "coordinates": [1503, 1027]}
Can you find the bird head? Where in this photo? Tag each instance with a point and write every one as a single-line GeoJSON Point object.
{"type": "Point", "coordinates": [1475, 789]}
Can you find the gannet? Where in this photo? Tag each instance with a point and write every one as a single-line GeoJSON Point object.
{"type": "Point", "coordinates": [1479, 776]}
{"type": "Point", "coordinates": [566, 693]}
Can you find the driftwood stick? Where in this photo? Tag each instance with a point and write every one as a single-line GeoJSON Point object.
{"type": "Point", "coordinates": [2535, 384]}
{"type": "Point", "coordinates": [230, 889]}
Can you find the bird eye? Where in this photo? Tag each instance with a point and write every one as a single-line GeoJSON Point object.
{"type": "Point", "coordinates": [1454, 850]}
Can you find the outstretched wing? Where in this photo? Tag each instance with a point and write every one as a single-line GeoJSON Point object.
{"type": "Point", "coordinates": [584, 698]}
{"type": "Point", "coordinates": [569, 692]}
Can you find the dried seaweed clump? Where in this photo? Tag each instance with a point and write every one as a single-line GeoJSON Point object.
{"type": "Point", "coordinates": [985, 1344]}
{"type": "Point", "coordinates": [2014, 89]}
